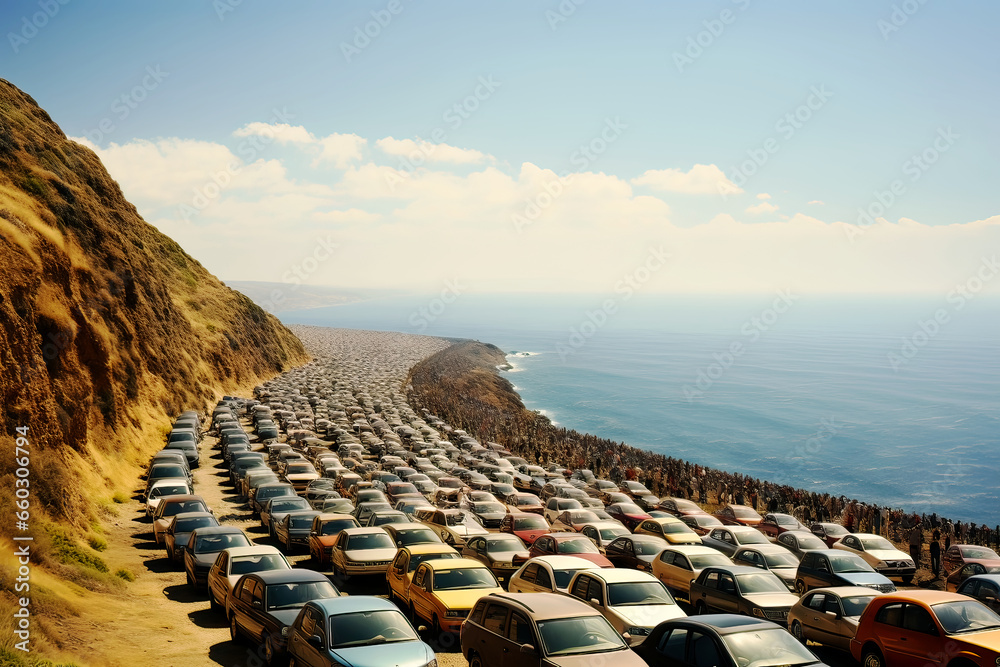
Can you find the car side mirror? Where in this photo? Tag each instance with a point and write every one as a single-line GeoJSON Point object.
{"type": "Point", "coordinates": [316, 642]}
{"type": "Point", "coordinates": [421, 628]}
{"type": "Point", "coordinates": [627, 637]}
{"type": "Point", "coordinates": [528, 649]}
{"type": "Point", "coordinates": [256, 604]}
{"type": "Point", "coordinates": [832, 614]}
{"type": "Point", "coordinates": [595, 602]}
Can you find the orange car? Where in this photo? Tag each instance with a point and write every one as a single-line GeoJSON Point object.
{"type": "Point", "coordinates": [323, 535]}
{"type": "Point", "coordinates": [921, 628]}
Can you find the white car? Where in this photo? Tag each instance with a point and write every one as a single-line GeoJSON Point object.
{"type": "Point", "coordinates": [548, 574]}
{"type": "Point", "coordinates": [677, 565]}
{"type": "Point", "coordinates": [880, 554]}
{"type": "Point", "coordinates": [633, 602]}
{"type": "Point", "coordinates": [233, 563]}
{"type": "Point", "coordinates": [453, 525]}
{"type": "Point", "coordinates": [169, 486]}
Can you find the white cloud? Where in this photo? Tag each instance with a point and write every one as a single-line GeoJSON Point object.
{"type": "Point", "coordinates": [340, 150]}
{"type": "Point", "coordinates": [283, 133]}
{"type": "Point", "coordinates": [816, 202]}
{"type": "Point", "coordinates": [702, 179]}
{"type": "Point", "coordinates": [418, 153]}
{"type": "Point", "coordinates": [763, 195]}
{"type": "Point", "coordinates": [763, 207]}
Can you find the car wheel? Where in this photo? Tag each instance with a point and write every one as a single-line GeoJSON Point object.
{"type": "Point", "coordinates": [872, 657]}
{"type": "Point", "coordinates": [476, 661]}
{"type": "Point", "coordinates": [234, 630]}
{"type": "Point", "coordinates": [800, 587]}
{"type": "Point", "coordinates": [700, 607]}
{"type": "Point", "coordinates": [797, 631]}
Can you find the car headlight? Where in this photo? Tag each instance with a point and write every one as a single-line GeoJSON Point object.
{"type": "Point", "coordinates": [882, 564]}
{"type": "Point", "coordinates": [758, 612]}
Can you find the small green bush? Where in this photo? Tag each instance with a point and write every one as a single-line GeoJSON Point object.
{"type": "Point", "coordinates": [125, 574]}
{"type": "Point", "coordinates": [120, 497]}
{"type": "Point", "coordinates": [67, 551]}
{"type": "Point", "coordinates": [98, 543]}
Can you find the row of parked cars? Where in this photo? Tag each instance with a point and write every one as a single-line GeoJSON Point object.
{"type": "Point", "coordinates": [460, 566]}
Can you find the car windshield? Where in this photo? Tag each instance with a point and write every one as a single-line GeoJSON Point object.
{"type": "Point", "coordinates": [296, 468]}
{"type": "Point", "coordinates": [335, 526]}
{"type": "Point", "coordinates": [760, 582]}
{"type": "Point", "coordinates": [833, 530]}
{"type": "Point", "coordinates": [608, 534]}
{"type": "Point", "coordinates": [847, 564]}
{"type": "Point", "coordinates": [295, 594]}
{"type": "Point", "coordinates": [701, 561]}
{"type": "Point", "coordinates": [161, 470]}
{"type": "Point", "coordinates": [764, 648]}
{"type": "Point", "coordinates": [417, 559]}
{"type": "Point", "coordinates": [706, 520]}
{"type": "Point", "coordinates": [854, 605]}
{"type": "Point", "coordinates": [367, 628]}
{"type": "Point", "coordinates": [188, 525]}
{"type": "Point", "coordinates": [178, 490]}
{"type": "Point", "coordinates": [786, 559]}
{"type": "Point", "coordinates": [301, 521]}
{"type": "Point", "coordinates": [785, 520]}
{"type": "Point", "coordinates": [463, 578]}
{"type": "Point", "coordinates": [214, 543]}
{"type": "Point", "coordinates": [581, 545]}
{"type": "Point", "coordinates": [531, 523]}
{"type": "Point", "coordinates": [504, 543]}
{"type": "Point", "coordinates": [262, 563]}
{"type": "Point", "coordinates": [456, 519]}
{"type": "Point", "coordinates": [625, 508]}
{"type": "Point", "coordinates": [562, 577]}
{"type": "Point", "coordinates": [750, 537]}
{"type": "Point", "coordinates": [379, 540]}
{"type": "Point", "coordinates": [648, 547]}
{"type": "Point", "coordinates": [275, 492]}
{"type": "Point", "coordinates": [186, 506]}
{"type": "Point", "coordinates": [522, 501]}
{"type": "Point", "coordinates": [634, 593]}
{"type": "Point", "coordinates": [876, 543]}
{"type": "Point", "coordinates": [587, 634]}
{"type": "Point", "coordinates": [675, 528]}
{"type": "Point", "coordinates": [338, 505]}
{"type": "Point", "coordinates": [384, 518]}
{"type": "Point", "coordinates": [290, 504]}
{"type": "Point", "coordinates": [979, 552]}
{"type": "Point", "coordinates": [809, 541]}
{"type": "Point", "coordinates": [493, 508]}
{"type": "Point", "coordinates": [965, 616]}
{"type": "Point", "coordinates": [745, 513]}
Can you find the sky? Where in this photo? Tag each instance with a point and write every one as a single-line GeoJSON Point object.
{"type": "Point", "coordinates": [554, 146]}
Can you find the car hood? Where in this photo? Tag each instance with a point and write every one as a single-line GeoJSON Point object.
{"type": "Point", "coordinates": [371, 554]}
{"type": "Point", "coordinates": [530, 536]}
{"type": "Point", "coordinates": [863, 578]}
{"type": "Point", "coordinates": [649, 615]}
{"type": "Point", "coordinates": [889, 554]}
{"type": "Point", "coordinates": [464, 599]}
{"type": "Point", "coordinates": [326, 540]}
{"type": "Point", "coordinates": [401, 654]}
{"type": "Point", "coordinates": [285, 616]}
{"type": "Point", "coordinates": [507, 556]}
{"type": "Point", "coordinates": [989, 639]}
{"type": "Point", "coordinates": [683, 539]}
{"type": "Point", "coordinates": [596, 559]}
{"type": "Point", "coordinates": [773, 599]}
{"type": "Point", "coordinates": [466, 530]}
{"type": "Point", "coordinates": [624, 658]}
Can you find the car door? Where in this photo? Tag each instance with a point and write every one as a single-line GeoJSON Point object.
{"type": "Point", "coordinates": [217, 578]}
{"type": "Point", "coordinates": [728, 542]}
{"type": "Point", "coordinates": [493, 641]}
{"type": "Point", "coordinates": [616, 552]}
{"type": "Point", "coordinates": [418, 593]}
{"type": "Point", "coordinates": [727, 597]}
{"type": "Point", "coordinates": [396, 574]}
{"type": "Point", "coordinates": [310, 623]}
{"type": "Point", "coordinates": [815, 624]}
{"type": "Point", "coordinates": [519, 632]}
{"type": "Point", "coordinates": [911, 636]}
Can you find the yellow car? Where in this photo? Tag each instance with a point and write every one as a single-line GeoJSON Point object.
{"type": "Point", "coordinates": [400, 571]}
{"type": "Point", "coordinates": [670, 528]}
{"type": "Point", "coordinates": [443, 591]}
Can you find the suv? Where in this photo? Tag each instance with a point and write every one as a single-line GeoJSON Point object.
{"type": "Point", "coordinates": [540, 628]}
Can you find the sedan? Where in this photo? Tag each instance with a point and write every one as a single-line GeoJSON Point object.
{"type": "Point", "coordinates": [679, 507]}
{"type": "Point", "coordinates": [528, 527]}
{"type": "Point", "coordinates": [410, 534]}
{"type": "Point", "coordinates": [730, 538]}
{"type": "Point", "coordinates": [233, 563]}
{"type": "Point", "coordinates": [489, 514]}
{"type": "Point", "coordinates": [672, 529]}
{"type": "Point", "coordinates": [770, 557]}
{"type": "Point", "coordinates": [633, 602]}
{"type": "Point", "coordinates": [361, 551]}
{"type": "Point", "coordinates": [171, 506]}
{"type": "Point", "coordinates": [828, 532]}
{"type": "Point", "coordinates": [834, 567]}
{"type": "Point", "coordinates": [568, 544]}
{"type": "Point", "coordinates": [292, 532]}
{"type": "Point", "coordinates": [503, 554]}
{"type": "Point", "coordinates": [722, 639]}
{"type": "Point", "coordinates": [360, 630]}
{"type": "Point", "coordinates": [203, 547]}
{"type": "Point", "coordinates": [263, 605]}
{"type": "Point", "coordinates": [407, 559]}
{"type": "Point", "coordinates": [630, 514]}
{"type": "Point", "coordinates": [800, 542]}
{"type": "Point", "coordinates": [180, 529]}
{"type": "Point", "coordinates": [736, 589]}
{"type": "Point", "coordinates": [738, 515]}
{"type": "Point", "coordinates": [573, 520]}
{"type": "Point", "coordinates": [775, 524]}
{"type": "Point", "coordinates": [548, 574]}
{"type": "Point", "coordinates": [677, 566]}
{"type": "Point", "coordinates": [635, 552]}
{"type": "Point", "coordinates": [443, 592]}
{"type": "Point", "coordinates": [983, 587]}
{"type": "Point", "coordinates": [830, 616]}
{"type": "Point", "coordinates": [323, 533]}
{"type": "Point", "coordinates": [524, 502]}
{"type": "Point", "coordinates": [701, 524]}
{"type": "Point", "coordinates": [603, 533]}
{"type": "Point", "coordinates": [959, 555]}
{"type": "Point", "coordinates": [880, 554]}
{"type": "Point", "coordinates": [276, 508]}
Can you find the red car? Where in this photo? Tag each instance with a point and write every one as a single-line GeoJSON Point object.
{"type": "Point", "coordinates": [958, 556]}
{"type": "Point", "coordinates": [738, 515]}
{"type": "Point", "coordinates": [775, 524]}
{"type": "Point", "coordinates": [828, 532]}
{"type": "Point", "coordinates": [529, 527]}
{"type": "Point", "coordinates": [629, 514]}
{"type": "Point", "coordinates": [679, 507]}
{"type": "Point", "coordinates": [568, 544]}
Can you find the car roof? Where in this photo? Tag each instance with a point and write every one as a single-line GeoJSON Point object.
{"type": "Point", "coordinates": [353, 603]}
{"type": "Point", "coordinates": [664, 519]}
{"type": "Point", "coordinates": [619, 574]}
{"type": "Point", "coordinates": [846, 591]}
{"type": "Point", "coordinates": [765, 548]}
{"type": "Point", "coordinates": [364, 530]}
{"type": "Point", "coordinates": [725, 623]}
{"type": "Point", "coordinates": [925, 596]}
{"type": "Point", "coordinates": [546, 605]}
{"type": "Point", "coordinates": [735, 569]}
{"type": "Point", "coordinates": [421, 549]}
{"type": "Point", "coordinates": [290, 575]}
{"type": "Point", "coordinates": [191, 515]}
{"type": "Point", "coordinates": [255, 550]}
{"type": "Point", "coordinates": [454, 563]}
{"type": "Point", "coordinates": [696, 549]}
{"type": "Point", "coordinates": [218, 530]}
{"type": "Point", "coordinates": [603, 523]}
{"type": "Point", "coordinates": [565, 535]}
{"type": "Point", "coordinates": [559, 561]}
{"type": "Point", "coordinates": [182, 498]}
{"type": "Point", "coordinates": [333, 516]}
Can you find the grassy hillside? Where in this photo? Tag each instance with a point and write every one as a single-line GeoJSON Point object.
{"type": "Point", "coordinates": [107, 328]}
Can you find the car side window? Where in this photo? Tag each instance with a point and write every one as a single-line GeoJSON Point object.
{"type": "Point", "coordinates": [727, 584]}
{"type": "Point", "coordinates": [704, 652]}
{"type": "Point", "coordinates": [495, 618]}
{"type": "Point", "coordinates": [668, 557]}
{"type": "Point", "coordinates": [727, 536]}
{"type": "Point", "coordinates": [543, 579]}
{"type": "Point", "coordinates": [832, 604]}
{"type": "Point", "coordinates": [222, 561]}
{"type": "Point", "coordinates": [627, 547]}
{"type": "Point", "coordinates": [681, 561]}
{"type": "Point", "coordinates": [530, 573]}
{"type": "Point", "coordinates": [595, 592]}
{"type": "Point", "coordinates": [815, 601]}
{"type": "Point", "coordinates": [918, 619]}
{"type": "Point", "coordinates": [891, 614]}
{"type": "Point", "coordinates": [308, 624]}
{"type": "Point", "coordinates": [712, 580]}
{"type": "Point", "coordinates": [418, 577]}
{"type": "Point", "coordinates": [590, 532]}
{"type": "Point", "coordinates": [672, 644]}
{"type": "Point", "coordinates": [477, 613]}
{"type": "Point", "coordinates": [519, 631]}
{"type": "Point", "coordinates": [822, 565]}
{"type": "Point", "coordinates": [246, 591]}
{"type": "Point", "coordinates": [580, 587]}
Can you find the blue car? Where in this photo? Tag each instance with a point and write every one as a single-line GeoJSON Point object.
{"type": "Point", "coordinates": [826, 568]}
{"type": "Point", "coordinates": [361, 631]}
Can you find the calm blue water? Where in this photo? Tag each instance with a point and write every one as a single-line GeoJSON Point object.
{"type": "Point", "coordinates": [812, 396]}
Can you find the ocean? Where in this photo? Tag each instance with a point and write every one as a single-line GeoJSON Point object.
{"type": "Point", "coordinates": [888, 400]}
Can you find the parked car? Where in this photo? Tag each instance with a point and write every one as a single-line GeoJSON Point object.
{"type": "Point", "coordinates": [676, 566]}
{"type": "Point", "coordinates": [633, 602]}
{"type": "Point", "coordinates": [959, 555]}
{"type": "Point", "coordinates": [679, 507]}
{"type": "Point", "coordinates": [725, 640]}
{"type": "Point", "coordinates": [548, 574]}
{"type": "Point", "coordinates": [671, 529]}
{"type": "Point", "coordinates": [536, 629]}
{"type": "Point", "coordinates": [800, 542]}
{"type": "Point", "coordinates": [524, 502]}
{"type": "Point", "coordinates": [568, 544]}
{"type": "Point", "coordinates": [360, 630]}
{"type": "Point", "coordinates": [983, 587]}
{"type": "Point", "coordinates": [489, 514]}
{"type": "Point", "coordinates": [528, 527]}
{"type": "Point", "coordinates": [362, 551]}
{"type": "Point", "coordinates": [730, 538]}
{"type": "Point", "coordinates": [454, 526]}
{"type": "Point", "coordinates": [738, 515]}
{"type": "Point", "coordinates": [927, 628]}
{"type": "Point", "coordinates": [323, 533]}
{"type": "Point", "coordinates": [738, 589]}
{"type": "Point", "coordinates": [828, 532]}
{"type": "Point", "coordinates": [555, 506]}
{"type": "Point", "coordinates": [400, 572]}
{"type": "Point", "coordinates": [443, 591]}
{"type": "Point", "coordinates": [409, 534]}
{"type": "Point", "coordinates": [701, 524]}
{"type": "Point", "coordinates": [774, 524]}
{"type": "Point", "coordinates": [880, 554]}
{"type": "Point", "coordinates": [265, 492]}
{"type": "Point", "coordinates": [170, 486]}
{"type": "Point", "coordinates": [829, 616]}
{"type": "Point", "coordinates": [503, 554]}
{"type": "Point", "coordinates": [233, 563]}
{"type": "Point", "coordinates": [262, 606]}
{"type": "Point", "coordinates": [834, 567]}
{"type": "Point", "coordinates": [771, 557]}
{"type": "Point", "coordinates": [603, 533]}
{"type": "Point", "coordinates": [203, 547]}
{"type": "Point", "coordinates": [180, 529]}
{"type": "Point", "coordinates": [172, 505]}
{"type": "Point", "coordinates": [276, 508]}
{"type": "Point", "coordinates": [635, 552]}
{"type": "Point", "coordinates": [629, 514]}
